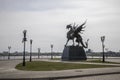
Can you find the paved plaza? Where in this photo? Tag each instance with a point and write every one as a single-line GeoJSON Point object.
{"type": "Point", "coordinates": [7, 71]}
{"type": "Point", "coordinates": [100, 77]}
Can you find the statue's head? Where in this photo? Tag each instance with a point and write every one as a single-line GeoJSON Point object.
{"type": "Point", "coordinates": [68, 26]}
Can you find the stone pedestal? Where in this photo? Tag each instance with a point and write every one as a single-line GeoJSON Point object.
{"type": "Point", "coordinates": [73, 53]}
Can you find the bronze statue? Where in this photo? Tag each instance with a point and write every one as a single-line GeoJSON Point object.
{"type": "Point", "coordinates": [73, 33]}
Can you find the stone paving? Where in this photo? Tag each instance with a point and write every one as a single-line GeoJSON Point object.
{"type": "Point", "coordinates": [100, 77]}
{"type": "Point", "coordinates": [7, 71]}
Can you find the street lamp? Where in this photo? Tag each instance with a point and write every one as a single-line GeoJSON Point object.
{"type": "Point", "coordinates": [24, 40]}
{"type": "Point", "coordinates": [9, 47]}
{"type": "Point", "coordinates": [103, 46]}
{"type": "Point", "coordinates": [31, 50]}
{"type": "Point", "coordinates": [51, 51]}
{"type": "Point", "coordinates": [38, 53]}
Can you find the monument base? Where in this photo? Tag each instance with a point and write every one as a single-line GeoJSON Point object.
{"type": "Point", "coordinates": [73, 53]}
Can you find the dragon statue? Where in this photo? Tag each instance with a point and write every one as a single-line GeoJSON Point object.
{"type": "Point", "coordinates": [74, 33]}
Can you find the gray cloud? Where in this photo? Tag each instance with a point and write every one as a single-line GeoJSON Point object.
{"type": "Point", "coordinates": [45, 21]}
{"type": "Point", "coordinates": [33, 5]}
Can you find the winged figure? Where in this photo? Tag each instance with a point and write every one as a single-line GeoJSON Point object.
{"type": "Point", "coordinates": [74, 33]}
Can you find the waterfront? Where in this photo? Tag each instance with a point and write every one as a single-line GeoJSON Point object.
{"type": "Point", "coordinates": [111, 59]}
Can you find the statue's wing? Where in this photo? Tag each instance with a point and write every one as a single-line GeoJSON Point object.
{"type": "Point", "coordinates": [79, 29]}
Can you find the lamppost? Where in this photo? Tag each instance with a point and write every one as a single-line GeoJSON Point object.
{"type": "Point", "coordinates": [31, 50]}
{"type": "Point", "coordinates": [38, 53]}
{"type": "Point", "coordinates": [51, 51]}
{"type": "Point", "coordinates": [103, 46]}
{"type": "Point", "coordinates": [9, 47]}
{"type": "Point", "coordinates": [24, 40]}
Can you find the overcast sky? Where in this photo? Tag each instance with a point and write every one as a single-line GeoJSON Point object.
{"type": "Point", "coordinates": [46, 20]}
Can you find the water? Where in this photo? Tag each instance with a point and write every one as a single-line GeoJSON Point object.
{"type": "Point", "coordinates": [111, 59]}
{"type": "Point", "coordinates": [48, 57]}
{"type": "Point", "coordinates": [27, 57]}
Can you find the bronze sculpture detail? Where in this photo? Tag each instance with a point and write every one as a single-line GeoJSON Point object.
{"type": "Point", "coordinates": [74, 33]}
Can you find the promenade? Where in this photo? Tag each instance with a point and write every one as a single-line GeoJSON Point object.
{"type": "Point", "coordinates": [8, 71]}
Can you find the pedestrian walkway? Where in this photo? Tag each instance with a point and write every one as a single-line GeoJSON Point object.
{"type": "Point", "coordinates": [7, 71]}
